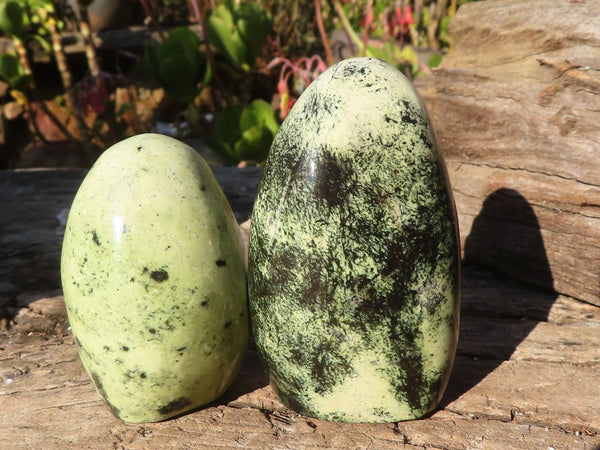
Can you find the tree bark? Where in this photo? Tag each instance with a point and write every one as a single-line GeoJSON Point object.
{"type": "Point", "coordinates": [516, 108]}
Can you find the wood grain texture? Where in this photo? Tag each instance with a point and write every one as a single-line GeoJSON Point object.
{"type": "Point", "coordinates": [516, 109]}
{"type": "Point", "coordinates": [525, 377]}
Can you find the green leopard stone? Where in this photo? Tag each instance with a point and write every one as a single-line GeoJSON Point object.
{"type": "Point", "coordinates": [354, 267]}
{"type": "Point", "coordinates": [154, 280]}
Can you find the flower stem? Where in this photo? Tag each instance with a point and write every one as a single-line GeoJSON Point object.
{"type": "Point", "coordinates": [322, 32]}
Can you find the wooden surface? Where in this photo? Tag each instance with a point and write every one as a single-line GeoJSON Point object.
{"type": "Point", "coordinates": [516, 107]}
{"type": "Point", "coordinates": [526, 375]}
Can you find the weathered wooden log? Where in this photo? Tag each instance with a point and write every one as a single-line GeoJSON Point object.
{"type": "Point", "coordinates": [516, 108]}
{"type": "Point", "coordinates": [525, 377]}
{"type": "Point", "coordinates": [34, 206]}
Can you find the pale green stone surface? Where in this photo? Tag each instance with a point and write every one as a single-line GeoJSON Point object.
{"type": "Point", "coordinates": [154, 280]}
{"type": "Point", "coordinates": [354, 267]}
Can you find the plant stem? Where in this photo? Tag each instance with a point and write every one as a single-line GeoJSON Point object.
{"type": "Point", "coordinates": [348, 28]}
{"type": "Point", "coordinates": [368, 22]}
{"type": "Point", "coordinates": [199, 14]}
{"type": "Point", "coordinates": [61, 62]}
{"type": "Point", "coordinates": [90, 50]}
{"type": "Point", "coordinates": [22, 52]}
{"type": "Point", "coordinates": [152, 16]}
{"type": "Point", "coordinates": [322, 32]}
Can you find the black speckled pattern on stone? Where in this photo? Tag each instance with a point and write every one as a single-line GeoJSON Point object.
{"type": "Point", "coordinates": [354, 269]}
{"type": "Point", "coordinates": [154, 280]}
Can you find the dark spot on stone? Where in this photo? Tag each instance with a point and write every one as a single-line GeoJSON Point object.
{"type": "Point", "coordinates": [411, 115]}
{"type": "Point", "coordinates": [203, 188]}
{"type": "Point", "coordinates": [221, 263]}
{"type": "Point", "coordinates": [294, 403]}
{"type": "Point", "coordinates": [175, 405]}
{"type": "Point", "coordinates": [143, 375]}
{"type": "Point", "coordinates": [204, 302]}
{"type": "Point", "coordinates": [334, 181]}
{"type": "Point", "coordinates": [132, 280]}
{"type": "Point", "coordinates": [145, 270]}
{"type": "Point", "coordinates": [95, 238]}
{"type": "Point", "coordinates": [98, 383]}
{"type": "Point", "coordinates": [159, 275]}
{"type": "Point", "coordinates": [311, 424]}
{"type": "Point", "coordinates": [139, 148]}
{"type": "Point", "coordinates": [169, 326]}
{"type": "Point", "coordinates": [151, 330]}
{"type": "Point", "coordinates": [125, 348]}
{"type": "Point", "coordinates": [107, 348]}
{"type": "Point", "coordinates": [228, 324]}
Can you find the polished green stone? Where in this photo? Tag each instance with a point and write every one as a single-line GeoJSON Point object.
{"type": "Point", "coordinates": [354, 269]}
{"type": "Point", "coordinates": [154, 280]}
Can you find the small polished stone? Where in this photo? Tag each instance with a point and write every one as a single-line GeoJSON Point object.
{"type": "Point", "coordinates": [154, 280]}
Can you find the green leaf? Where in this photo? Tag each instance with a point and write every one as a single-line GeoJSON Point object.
{"type": "Point", "coordinates": [124, 108]}
{"type": "Point", "coordinates": [178, 76]}
{"type": "Point", "coordinates": [239, 32]}
{"type": "Point", "coordinates": [259, 113]}
{"type": "Point", "coordinates": [22, 82]}
{"type": "Point", "coordinates": [9, 66]}
{"type": "Point", "coordinates": [13, 73]}
{"type": "Point", "coordinates": [223, 34]}
{"type": "Point", "coordinates": [220, 146]}
{"type": "Point", "coordinates": [227, 125]}
{"type": "Point", "coordinates": [176, 64]}
{"type": "Point", "coordinates": [11, 17]}
{"type": "Point", "coordinates": [254, 25]}
{"type": "Point", "coordinates": [388, 52]}
{"type": "Point", "coordinates": [434, 60]}
{"type": "Point", "coordinates": [181, 41]}
{"type": "Point", "coordinates": [254, 145]}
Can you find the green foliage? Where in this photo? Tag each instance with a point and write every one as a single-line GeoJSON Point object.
{"type": "Point", "coordinates": [177, 64]}
{"type": "Point", "coordinates": [13, 73]}
{"type": "Point", "coordinates": [244, 133]}
{"type": "Point", "coordinates": [239, 32]}
{"type": "Point", "coordinates": [434, 60]}
{"type": "Point", "coordinates": [11, 17]}
{"type": "Point", "coordinates": [405, 58]}
{"type": "Point", "coordinates": [293, 24]}
{"type": "Point", "coordinates": [444, 35]}
{"type": "Point", "coordinates": [26, 19]}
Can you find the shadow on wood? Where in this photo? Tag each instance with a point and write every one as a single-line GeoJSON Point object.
{"type": "Point", "coordinates": [506, 237]}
